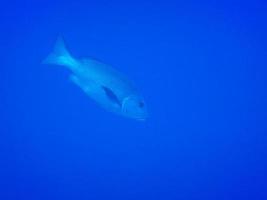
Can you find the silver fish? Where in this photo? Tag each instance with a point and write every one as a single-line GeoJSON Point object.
{"type": "Point", "coordinates": [108, 87]}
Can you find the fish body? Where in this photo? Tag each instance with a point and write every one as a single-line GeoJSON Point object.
{"type": "Point", "coordinates": [107, 86]}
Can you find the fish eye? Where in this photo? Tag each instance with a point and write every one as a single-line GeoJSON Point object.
{"type": "Point", "coordinates": [141, 104]}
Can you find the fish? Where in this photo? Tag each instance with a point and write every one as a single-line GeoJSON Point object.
{"type": "Point", "coordinates": [107, 86]}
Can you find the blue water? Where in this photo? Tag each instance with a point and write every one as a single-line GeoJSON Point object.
{"type": "Point", "coordinates": [201, 66]}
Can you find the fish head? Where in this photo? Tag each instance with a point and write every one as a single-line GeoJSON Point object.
{"type": "Point", "coordinates": [134, 106]}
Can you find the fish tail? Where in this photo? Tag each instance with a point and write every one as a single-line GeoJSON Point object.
{"type": "Point", "coordinates": [60, 55]}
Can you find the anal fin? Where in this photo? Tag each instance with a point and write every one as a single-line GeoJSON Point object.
{"type": "Point", "coordinates": [80, 83]}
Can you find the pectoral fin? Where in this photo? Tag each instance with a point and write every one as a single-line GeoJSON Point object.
{"type": "Point", "coordinates": [111, 95]}
{"type": "Point", "coordinates": [102, 94]}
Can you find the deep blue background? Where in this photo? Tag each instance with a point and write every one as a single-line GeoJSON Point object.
{"type": "Point", "coordinates": [201, 67]}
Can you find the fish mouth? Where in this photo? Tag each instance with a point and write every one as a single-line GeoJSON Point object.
{"type": "Point", "coordinates": [137, 118]}
{"type": "Point", "coordinates": [142, 118]}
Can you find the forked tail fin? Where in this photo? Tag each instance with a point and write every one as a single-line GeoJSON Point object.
{"type": "Point", "coordinates": [60, 55]}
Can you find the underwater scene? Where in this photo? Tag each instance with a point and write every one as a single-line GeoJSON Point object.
{"type": "Point", "coordinates": [133, 100]}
